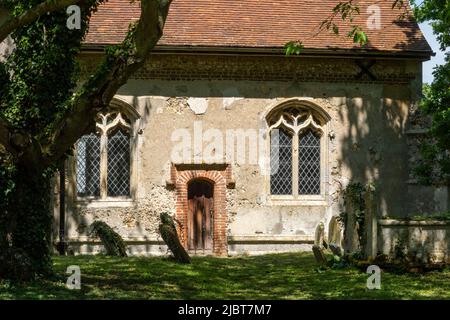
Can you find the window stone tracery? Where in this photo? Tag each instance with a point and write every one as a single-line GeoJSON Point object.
{"type": "Point", "coordinates": [103, 158]}
{"type": "Point", "coordinates": [296, 150]}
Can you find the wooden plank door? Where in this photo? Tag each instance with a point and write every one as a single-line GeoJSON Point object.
{"type": "Point", "coordinates": [200, 223]}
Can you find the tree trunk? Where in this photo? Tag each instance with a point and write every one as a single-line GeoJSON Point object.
{"type": "Point", "coordinates": [31, 228]}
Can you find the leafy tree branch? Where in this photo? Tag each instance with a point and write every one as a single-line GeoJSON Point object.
{"type": "Point", "coordinates": [32, 14]}
{"type": "Point", "coordinates": [118, 65]}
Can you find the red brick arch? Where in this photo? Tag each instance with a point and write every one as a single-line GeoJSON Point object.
{"type": "Point", "coordinates": [218, 178]}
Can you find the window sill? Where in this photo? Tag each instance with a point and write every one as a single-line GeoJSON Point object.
{"type": "Point", "coordinates": [105, 203]}
{"type": "Point", "coordinates": [319, 200]}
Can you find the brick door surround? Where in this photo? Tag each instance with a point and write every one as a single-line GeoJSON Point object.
{"type": "Point", "coordinates": [220, 177]}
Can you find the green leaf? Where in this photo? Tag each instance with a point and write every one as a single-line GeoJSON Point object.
{"type": "Point", "coordinates": [335, 29]}
{"type": "Point", "coordinates": [293, 47]}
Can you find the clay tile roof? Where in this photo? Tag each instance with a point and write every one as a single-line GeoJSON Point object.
{"type": "Point", "coordinates": [257, 24]}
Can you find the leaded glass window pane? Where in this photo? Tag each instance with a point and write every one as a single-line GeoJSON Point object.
{"type": "Point", "coordinates": [280, 162]}
{"type": "Point", "coordinates": [119, 164]}
{"type": "Point", "coordinates": [88, 165]}
{"type": "Point", "coordinates": [309, 163]}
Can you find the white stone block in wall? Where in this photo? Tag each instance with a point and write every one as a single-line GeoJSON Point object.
{"type": "Point", "coordinates": [198, 105]}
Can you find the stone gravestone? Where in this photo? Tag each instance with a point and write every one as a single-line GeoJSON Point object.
{"type": "Point", "coordinates": [371, 222]}
{"type": "Point", "coordinates": [337, 251]}
{"type": "Point", "coordinates": [351, 240]}
{"type": "Point", "coordinates": [168, 232]}
{"type": "Point", "coordinates": [335, 231]}
{"type": "Point", "coordinates": [335, 236]}
{"type": "Point", "coordinates": [319, 255]}
{"type": "Point", "coordinates": [319, 235]}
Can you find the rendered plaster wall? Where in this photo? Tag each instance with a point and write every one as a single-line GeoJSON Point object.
{"type": "Point", "coordinates": [367, 141]}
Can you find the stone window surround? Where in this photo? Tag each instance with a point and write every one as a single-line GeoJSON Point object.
{"type": "Point", "coordinates": [299, 200]}
{"type": "Point", "coordinates": [104, 201]}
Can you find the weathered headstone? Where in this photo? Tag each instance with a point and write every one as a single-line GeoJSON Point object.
{"type": "Point", "coordinates": [111, 240]}
{"type": "Point", "coordinates": [319, 255]}
{"type": "Point", "coordinates": [371, 222]}
{"type": "Point", "coordinates": [168, 232]}
{"type": "Point", "coordinates": [335, 231]}
{"type": "Point", "coordinates": [319, 235]}
{"type": "Point", "coordinates": [337, 251]}
{"type": "Point", "coordinates": [351, 239]}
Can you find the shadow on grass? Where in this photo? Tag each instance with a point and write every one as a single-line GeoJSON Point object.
{"type": "Point", "coordinates": [278, 276]}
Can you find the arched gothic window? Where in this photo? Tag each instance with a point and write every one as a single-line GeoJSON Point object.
{"type": "Point", "coordinates": [296, 134]}
{"type": "Point", "coordinates": [103, 158]}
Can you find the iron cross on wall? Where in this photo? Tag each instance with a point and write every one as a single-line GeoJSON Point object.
{"type": "Point", "coordinates": [365, 66]}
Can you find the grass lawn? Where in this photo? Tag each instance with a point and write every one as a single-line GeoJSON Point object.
{"type": "Point", "coordinates": [277, 276]}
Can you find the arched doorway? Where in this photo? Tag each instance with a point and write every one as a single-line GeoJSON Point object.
{"type": "Point", "coordinates": [211, 181]}
{"type": "Point", "coordinates": [200, 215]}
